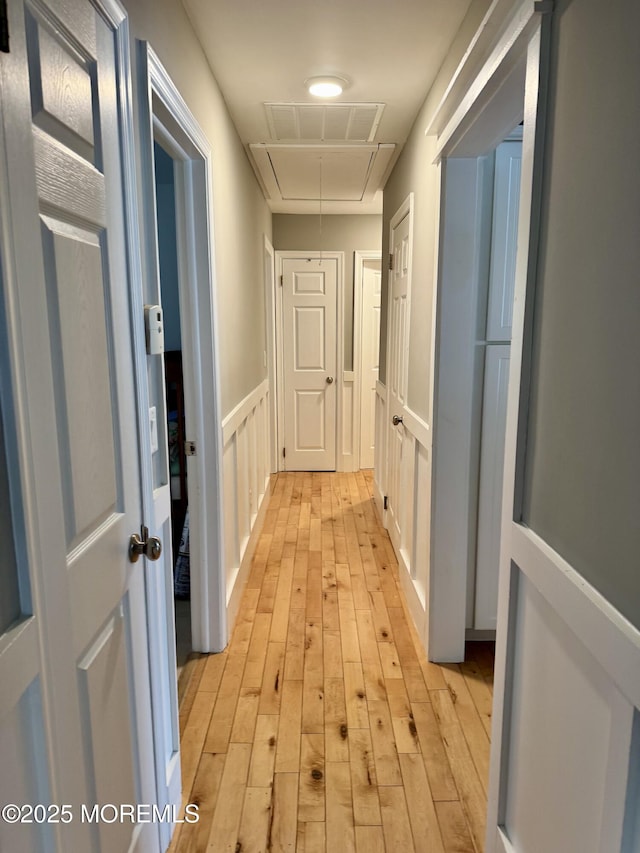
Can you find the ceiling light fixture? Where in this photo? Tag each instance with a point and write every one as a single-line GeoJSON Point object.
{"type": "Point", "coordinates": [325, 87]}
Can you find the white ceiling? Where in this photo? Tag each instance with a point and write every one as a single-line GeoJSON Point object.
{"type": "Point", "coordinates": [262, 51]}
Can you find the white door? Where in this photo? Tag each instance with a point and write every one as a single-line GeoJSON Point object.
{"type": "Point", "coordinates": [75, 713]}
{"type": "Point", "coordinates": [398, 325]}
{"type": "Point", "coordinates": [370, 358]}
{"type": "Point", "coordinates": [309, 309]}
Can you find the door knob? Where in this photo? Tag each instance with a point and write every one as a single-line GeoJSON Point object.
{"type": "Point", "coordinates": [149, 546]}
{"type": "Point", "coordinates": [329, 380]}
{"type": "Point", "coordinates": [396, 419]}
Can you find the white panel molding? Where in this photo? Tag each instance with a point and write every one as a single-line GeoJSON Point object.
{"type": "Point", "coordinates": [245, 487]}
{"type": "Point", "coordinates": [348, 375]}
{"type": "Point", "coordinates": [586, 612]}
{"type": "Point", "coordinates": [360, 256]}
{"type": "Point", "coordinates": [381, 390]}
{"type": "Point", "coordinates": [19, 663]}
{"type": "Point", "coordinates": [349, 439]}
{"type": "Point", "coordinates": [236, 417]}
{"type": "Point", "coordinates": [418, 427]}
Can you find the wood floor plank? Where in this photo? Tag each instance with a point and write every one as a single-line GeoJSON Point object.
{"type": "Point", "coordinates": [189, 685]}
{"type": "Point", "coordinates": [192, 837]}
{"type": "Point", "coordinates": [294, 650]}
{"type": "Point", "coordinates": [404, 728]}
{"type": "Point", "coordinates": [257, 654]}
{"type": "Point", "coordinates": [336, 730]}
{"type": "Point", "coordinates": [480, 691]}
{"type": "Point", "coordinates": [253, 832]}
{"type": "Point", "coordinates": [228, 810]}
{"type": "Point", "coordinates": [355, 696]}
{"type": "Point", "coordinates": [364, 782]}
{"type": "Point", "coordinates": [212, 672]}
{"type": "Point", "coordinates": [332, 654]}
{"type": "Point", "coordinates": [395, 819]}
{"type": "Point", "coordinates": [454, 828]}
{"type": "Point", "coordinates": [339, 821]}
{"type": "Point", "coordinates": [273, 676]}
{"type": "Point", "coordinates": [422, 814]}
{"type": "Point", "coordinates": [244, 721]}
{"type": "Point", "coordinates": [244, 623]}
{"type": "Point", "coordinates": [263, 754]}
{"type": "Point", "coordinates": [312, 778]}
{"type": "Point", "coordinates": [289, 730]}
{"type": "Point", "coordinates": [219, 730]}
{"type": "Point", "coordinates": [311, 837]}
{"type": "Point", "coordinates": [470, 721]}
{"type": "Point", "coordinates": [443, 786]}
{"type": "Point", "coordinates": [384, 745]}
{"type": "Point", "coordinates": [472, 795]}
{"type": "Point", "coordinates": [284, 824]}
{"type": "Point", "coordinates": [370, 839]}
{"type": "Point", "coordinates": [313, 685]}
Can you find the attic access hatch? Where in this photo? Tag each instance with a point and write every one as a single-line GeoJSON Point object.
{"type": "Point", "coordinates": [334, 173]}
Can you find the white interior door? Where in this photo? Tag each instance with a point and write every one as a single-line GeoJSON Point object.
{"type": "Point", "coordinates": [75, 716]}
{"type": "Point", "coordinates": [370, 358]}
{"type": "Point", "coordinates": [398, 324]}
{"type": "Point", "coordinates": [309, 344]}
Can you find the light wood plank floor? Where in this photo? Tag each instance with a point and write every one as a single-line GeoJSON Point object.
{"type": "Point", "coordinates": [322, 726]}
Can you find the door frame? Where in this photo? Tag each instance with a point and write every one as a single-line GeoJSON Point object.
{"type": "Point", "coordinates": [166, 117]}
{"type": "Point", "coordinates": [269, 272]}
{"type": "Point", "coordinates": [359, 258]}
{"type": "Point", "coordinates": [278, 358]}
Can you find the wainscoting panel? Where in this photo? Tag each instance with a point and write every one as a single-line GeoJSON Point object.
{"type": "Point", "coordinates": [245, 436]}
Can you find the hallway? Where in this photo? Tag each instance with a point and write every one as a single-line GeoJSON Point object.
{"type": "Point", "coordinates": [322, 725]}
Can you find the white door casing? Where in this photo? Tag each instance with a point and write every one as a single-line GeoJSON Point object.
{"type": "Point", "coordinates": [371, 290]}
{"type": "Point", "coordinates": [75, 668]}
{"type": "Point", "coordinates": [399, 310]}
{"type": "Point", "coordinates": [311, 381]}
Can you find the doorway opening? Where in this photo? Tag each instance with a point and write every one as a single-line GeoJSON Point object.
{"type": "Point", "coordinates": [176, 426]}
{"type": "Point", "coordinates": [367, 292]}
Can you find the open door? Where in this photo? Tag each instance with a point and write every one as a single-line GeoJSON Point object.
{"type": "Point", "coordinates": [75, 712]}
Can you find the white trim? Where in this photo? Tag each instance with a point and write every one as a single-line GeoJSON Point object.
{"type": "Point", "coordinates": [270, 284]}
{"type": "Point", "coordinates": [359, 258]}
{"type": "Point", "coordinates": [585, 610]}
{"type": "Point", "coordinates": [381, 390]}
{"type": "Point", "coordinates": [242, 411]}
{"type": "Point", "coordinates": [418, 427]}
{"type": "Point", "coordinates": [525, 276]}
{"type": "Point", "coordinates": [281, 255]}
{"type": "Point", "coordinates": [348, 375]}
{"type": "Point", "coordinates": [165, 111]}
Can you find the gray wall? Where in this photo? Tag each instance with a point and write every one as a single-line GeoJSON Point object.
{"type": "Point", "coordinates": [339, 234]}
{"type": "Point", "coordinates": [583, 461]}
{"type": "Point", "coordinates": [241, 215]}
{"type": "Point", "coordinates": [414, 172]}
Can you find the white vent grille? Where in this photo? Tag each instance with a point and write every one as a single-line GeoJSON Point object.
{"type": "Point", "coordinates": [323, 122]}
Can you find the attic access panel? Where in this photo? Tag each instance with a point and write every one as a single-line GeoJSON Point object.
{"type": "Point", "coordinates": [311, 172]}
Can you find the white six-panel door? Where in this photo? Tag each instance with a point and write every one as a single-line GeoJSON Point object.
{"type": "Point", "coordinates": [309, 370]}
{"type": "Point", "coordinates": [75, 715]}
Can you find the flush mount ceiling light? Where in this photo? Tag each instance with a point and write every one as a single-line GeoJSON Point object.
{"type": "Point", "coordinates": [326, 87]}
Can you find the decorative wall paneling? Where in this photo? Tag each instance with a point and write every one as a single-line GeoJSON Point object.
{"type": "Point", "coordinates": [246, 473]}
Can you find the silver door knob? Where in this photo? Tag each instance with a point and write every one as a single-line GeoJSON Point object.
{"type": "Point", "coordinates": [149, 546]}
{"type": "Point", "coordinates": [396, 419]}
{"type": "Point", "coordinates": [329, 380]}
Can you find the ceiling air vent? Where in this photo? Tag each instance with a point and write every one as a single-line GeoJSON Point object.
{"type": "Point", "coordinates": [323, 122]}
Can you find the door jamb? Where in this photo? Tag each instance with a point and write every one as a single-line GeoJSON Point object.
{"type": "Point", "coordinates": [339, 379]}
{"type": "Point", "coordinates": [491, 99]}
{"type": "Point", "coordinates": [167, 116]}
{"type": "Point", "coordinates": [359, 258]}
{"type": "Point", "coordinates": [270, 295]}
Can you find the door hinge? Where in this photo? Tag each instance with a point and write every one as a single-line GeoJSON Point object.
{"type": "Point", "coordinates": [391, 261]}
{"type": "Point", "coordinates": [4, 27]}
{"type": "Point", "coordinates": [385, 501]}
{"type": "Point", "coordinates": [281, 280]}
{"type": "Point", "coordinates": [284, 452]}
{"type": "Point", "coordinates": [189, 448]}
